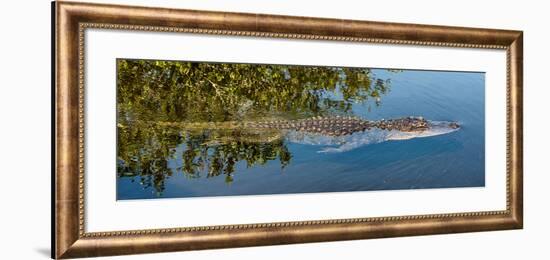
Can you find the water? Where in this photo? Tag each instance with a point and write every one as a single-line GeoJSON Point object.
{"type": "Point", "coordinates": [450, 160]}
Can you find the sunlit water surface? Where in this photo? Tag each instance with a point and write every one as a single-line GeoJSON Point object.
{"type": "Point", "coordinates": [366, 161]}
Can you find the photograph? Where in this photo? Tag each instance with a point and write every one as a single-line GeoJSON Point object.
{"type": "Point", "coordinates": [275, 130]}
{"type": "Point", "coordinates": [182, 128]}
{"type": "Point", "coordinates": [199, 129]}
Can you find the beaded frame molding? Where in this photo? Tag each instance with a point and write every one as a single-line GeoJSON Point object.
{"type": "Point", "coordinates": [69, 22]}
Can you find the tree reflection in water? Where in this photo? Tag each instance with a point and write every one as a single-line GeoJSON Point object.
{"type": "Point", "coordinates": [150, 91]}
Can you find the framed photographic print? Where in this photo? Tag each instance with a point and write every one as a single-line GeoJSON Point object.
{"type": "Point", "coordinates": [185, 130]}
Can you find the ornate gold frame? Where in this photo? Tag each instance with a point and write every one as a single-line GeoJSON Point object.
{"type": "Point", "coordinates": [70, 20]}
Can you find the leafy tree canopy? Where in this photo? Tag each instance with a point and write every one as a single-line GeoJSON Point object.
{"type": "Point", "coordinates": [149, 91]}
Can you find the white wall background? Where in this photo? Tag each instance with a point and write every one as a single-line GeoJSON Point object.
{"type": "Point", "coordinates": [25, 128]}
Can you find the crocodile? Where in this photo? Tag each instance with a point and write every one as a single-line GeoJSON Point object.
{"type": "Point", "coordinates": [332, 126]}
{"type": "Point", "coordinates": [335, 133]}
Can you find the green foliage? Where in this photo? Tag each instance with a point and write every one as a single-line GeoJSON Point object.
{"type": "Point", "coordinates": [144, 150]}
{"type": "Point", "coordinates": [149, 91]}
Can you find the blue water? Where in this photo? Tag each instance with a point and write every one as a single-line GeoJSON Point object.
{"type": "Point", "coordinates": [445, 161]}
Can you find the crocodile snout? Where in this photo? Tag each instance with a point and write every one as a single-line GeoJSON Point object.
{"type": "Point", "coordinates": [454, 125]}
